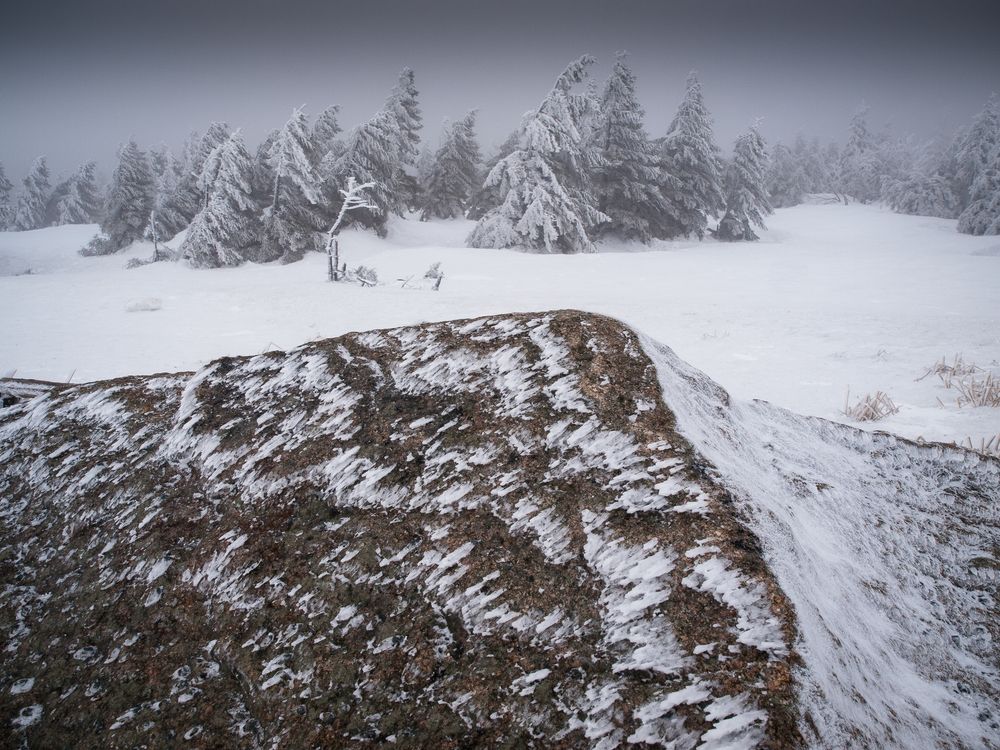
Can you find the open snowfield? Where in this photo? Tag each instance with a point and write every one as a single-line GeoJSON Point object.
{"type": "Point", "coordinates": [832, 297]}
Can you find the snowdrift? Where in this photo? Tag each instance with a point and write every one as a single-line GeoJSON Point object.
{"type": "Point", "coordinates": [523, 530]}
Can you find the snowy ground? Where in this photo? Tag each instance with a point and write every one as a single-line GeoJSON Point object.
{"type": "Point", "coordinates": [832, 297]}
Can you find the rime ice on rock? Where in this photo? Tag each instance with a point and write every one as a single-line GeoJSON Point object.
{"type": "Point", "coordinates": [486, 526]}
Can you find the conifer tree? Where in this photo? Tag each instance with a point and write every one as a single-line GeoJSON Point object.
{"type": "Point", "coordinates": [627, 179]}
{"type": "Point", "coordinates": [6, 209]}
{"type": "Point", "coordinates": [454, 173]}
{"type": "Point", "coordinates": [226, 230]}
{"type": "Point", "coordinates": [324, 134]}
{"type": "Point", "coordinates": [693, 186]}
{"type": "Point", "coordinates": [975, 150]}
{"type": "Point", "coordinates": [810, 159]}
{"type": "Point", "coordinates": [263, 170]}
{"type": "Point", "coordinates": [190, 197]}
{"type": "Point", "coordinates": [746, 191]}
{"type": "Point", "coordinates": [859, 166]}
{"type": "Point", "coordinates": [488, 196]}
{"type": "Point", "coordinates": [81, 203]}
{"type": "Point", "coordinates": [370, 156]}
{"type": "Point", "coordinates": [31, 204]}
{"type": "Point", "coordinates": [56, 196]}
{"type": "Point", "coordinates": [787, 183]}
{"type": "Point", "coordinates": [922, 194]}
{"type": "Point", "coordinates": [982, 215]}
{"type": "Point", "coordinates": [129, 203]}
{"type": "Point", "coordinates": [543, 208]}
{"type": "Point", "coordinates": [291, 223]}
{"type": "Point", "coordinates": [166, 219]}
{"type": "Point", "coordinates": [403, 104]}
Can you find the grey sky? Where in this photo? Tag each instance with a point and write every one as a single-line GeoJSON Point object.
{"type": "Point", "coordinates": [78, 78]}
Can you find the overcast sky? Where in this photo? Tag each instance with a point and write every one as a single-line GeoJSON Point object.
{"type": "Point", "coordinates": [78, 78]}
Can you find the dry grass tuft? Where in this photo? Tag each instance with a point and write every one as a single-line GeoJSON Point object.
{"type": "Point", "coordinates": [987, 446]}
{"type": "Point", "coordinates": [870, 408]}
{"type": "Point", "coordinates": [982, 391]}
{"type": "Point", "coordinates": [958, 368]}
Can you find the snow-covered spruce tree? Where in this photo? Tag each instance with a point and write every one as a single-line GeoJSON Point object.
{"type": "Point", "coordinates": [371, 155]}
{"type": "Point", "coordinates": [291, 224]}
{"type": "Point", "coordinates": [859, 163]}
{"type": "Point", "coordinates": [190, 198]}
{"type": "Point", "coordinates": [324, 138]}
{"type": "Point", "coordinates": [542, 207]}
{"type": "Point", "coordinates": [982, 215]}
{"type": "Point", "coordinates": [487, 196]}
{"type": "Point", "coordinates": [922, 194]}
{"type": "Point", "coordinates": [403, 104]}
{"type": "Point", "coordinates": [627, 176]}
{"type": "Point", "coordinates": [455, 172]}
{"type": "Point", "coordinates": [975, 150]}
{"type": "Point", "coordinates": [57, 194]}
{"type": "Point", "coordinates": [692, 172]}
{"type": "Point", "coordinates": [830, 156]}
{"type": "Point", "coordinates": [6, 191]}
{"type": "Point", "coordinates": [129, 203]}
{"type": "Point", "coordinates": [34, 197]}
{"type": "Point", "coordinates": [225, 231]}
{"type": "Point", "coordinates": [166, 219]}
{"type": "Point", "coordinates": [81, 202]}
{"type": "Point", "coordinates": [787, 183]}
{"type": "Point", "coordinates": [809, 157]}
{"type": "Point", "coordinates": [263, 170]}
{"type": "Point", "coordinates": [895, 158]}
{"type": "Point", "coordinates": [746, 189]}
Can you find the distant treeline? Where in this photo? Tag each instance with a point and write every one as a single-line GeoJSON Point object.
{"type": "Point", "coordinates": [578, 169]}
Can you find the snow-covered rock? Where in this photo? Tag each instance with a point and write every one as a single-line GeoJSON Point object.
{"type": "Point", "coordinates": [539, 530]}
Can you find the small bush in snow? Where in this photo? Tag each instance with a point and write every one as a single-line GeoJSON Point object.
{"type": "Point", "coordinates": [871, 407]}
{"type": "Point", "coordinates": [365, 276]}
{"type": "Point", "coordinates": [436, 274]}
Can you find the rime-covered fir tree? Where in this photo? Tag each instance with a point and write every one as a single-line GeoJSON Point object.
{"type": "Point", "coordinates": [787, 183]}
{"type": "Point", "coordinates": [190, 196]}
{"type": "Point", "coordinates": [982, 215]}
{"type": "Point", "coordinates": [488, 196]}
{"type": "Point", "coordinates": [692, 177]}
{"type": "Point", "coordinates": [263, 170]}
{"type": "Point", "coordinates": [627, 175]}
{"type": "Point", "coordinates": [325, 134]}
{"type": "Point", "coordinates": [746, 189]}
{"type": "Point", "coordinates": [976, 149]}
{"type": "Point", "coordinates": [81, 202]}
{"type": "Point", "coordinates": [370, 155]}
{"type": "Point", "coordinates": [923, 195]}
{"type": "Point", "coordinates": [225, 231]}
{"type": "Point", "coordinates": [404, 106]}
{"type": "Point", "coordinates": [34, 197]}
{"type": "Point", "coordinates": [542, 208]}
{"type": "Point", "coordinates": [809, 156]}
{"type": "Point", "coordinates": [6, 191]}
{"type": "Point", "coordinates": [129, 203]}
{"type": "Point", "coordinates": [291, 222]}
{"type": "Point", "coordinates": [859, 163]}
{"type": "Point", "coordinates": [454, 174]}
{"type": "Point", "coordinates": [166, 218]}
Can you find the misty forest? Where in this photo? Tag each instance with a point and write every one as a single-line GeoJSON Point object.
{"type": "Point", "coordinates": [577, 170]}
{"type": "Point", "coordinates": [397, 376]}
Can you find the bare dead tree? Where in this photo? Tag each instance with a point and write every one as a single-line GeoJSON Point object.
{"type": "Point", "coordinates": [354, 198]}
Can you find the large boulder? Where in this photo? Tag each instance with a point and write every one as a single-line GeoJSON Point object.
{"type": "Point", "coordinates": [524, 530]}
